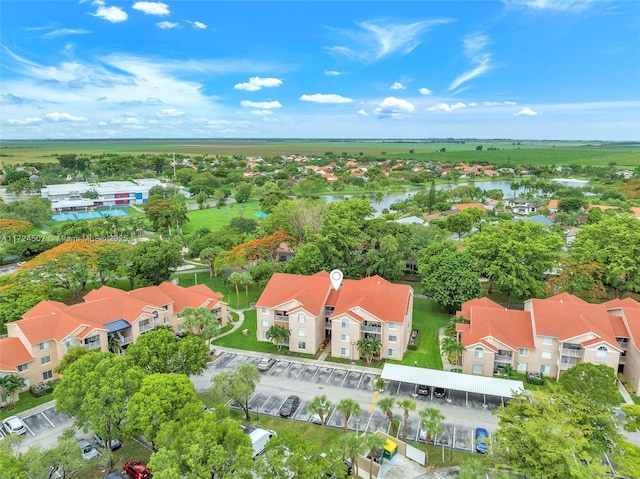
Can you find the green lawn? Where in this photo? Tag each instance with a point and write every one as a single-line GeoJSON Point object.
{"type": "Point", "coordinates": [26, 401]}
{"type": "Point", "coordinates": [216, 217]}
{"type": "Point", "coordinates": [129, 450]}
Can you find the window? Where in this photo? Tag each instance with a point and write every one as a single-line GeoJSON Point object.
{"type": "Point", "coordinates": [302, 332]}
{"type": "Point", "coordinates": [92, 342]}
{"type": "Point", "coordinates": [69, 343]}
{"type": "Point", "coordinates": [265, 323]}
{"type": "Point", "coordinates": [522, 367]}
{"type": "Point", "coordinates": [301, 318]}
{"type": "Point", "coordinates": [166, 319]}
{"type": "Point", "coordinates": [393, 326]}
{"type": "Point", "coordinates": [547, 340]}
{"type": "Point", "coordinates": [344, 352]}
{"type": "Point", "coordinates": [344, 337]}
{"type": "Point", "coordinates": [393, 339]}
{"type": "Point", "coordinates": [264, 335]}
{"type": "Point", "coordinates": [392, 353]}
{"type": "Point", "coordinates": [45, 360]}
{"type": "Point", "coordinates": [345, 324]}
{"type": "Point", "coordinates": [601, 353]}
{"type": "Point", "coordinates": [477, 369]}
{"type": "Point", "coordinates": [22, 367]}
{"type": "Point", "coordinates": [546, 355]}
{"type": "Point", "coordinates": [523, 351]}
{"type": "Point", "coordinates": [545, 369]}
{"type": "Point", "coordinates": [47, 375]}
{"type": "Point", "coordinates": [478, 353]}
{"type": "Point", "coordinates": [302, 345]}
{"type": "Point", "coordinates": [44, 345]}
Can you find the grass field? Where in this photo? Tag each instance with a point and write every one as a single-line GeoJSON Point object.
{"type": "Point", "coordinates": [527, 152]}
{"type": "Point", "coordinates": [216, 217]}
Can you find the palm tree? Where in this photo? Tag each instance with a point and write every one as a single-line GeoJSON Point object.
{"type": "Point", "coordinates": [349, 408]}
{"type": "Point", "coordinates": [386, 405]}
{"type": "Point", "coordinates": [278, 335]}
{"type": "Point", "coordinates": [234, 279]}
{"type": "Point", "coordinates": [378, 197]}
{"type": "Point", "coordinates": [321, 406]}
{"type": "Point", "coordinates": [452, 349]}
{"type": "Point", "coordinates": [431, 419]}
{"type": "Point", "coordinates": [208, 256]}
{"type": "Point", "coordinates": [10, 384]}
{"type": "Point", "coordinates": [245, 280]}
{"type": "Point", "coordinates": [201, 321]}
{"type": "Point", "coordinates": [351, 445]}
{"type": "Point", "coordinates": [369, 347]}
{"type": "Point", "coordinates": [408, 405]}
{"type": "Point", "coordinates": [372, 442]}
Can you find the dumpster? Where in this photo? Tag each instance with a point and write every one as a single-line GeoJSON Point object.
{"type": "Point", "coordinates": [390, 449]}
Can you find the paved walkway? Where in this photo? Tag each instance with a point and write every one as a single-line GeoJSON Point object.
{"type": "Point", "coordinates": [624, 393]}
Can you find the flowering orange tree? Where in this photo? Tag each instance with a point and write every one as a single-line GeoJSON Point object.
{"type": "Point", "coordinates": [252, 250]}
{"type": "Point", "coordinates": [10, 227]}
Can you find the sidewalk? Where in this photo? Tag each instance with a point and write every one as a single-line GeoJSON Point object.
{"type": "Point", "coordinates": [624, 393]}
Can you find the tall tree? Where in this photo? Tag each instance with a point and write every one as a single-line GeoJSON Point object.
{"type": "Point", "coordinates": [63, 458]}
{"type": "Point", "coordinates": [372, 443]}
{"type": "Point", "coordinates": [431, 420]}
{"type": "Point", "coordinates": [278, 335]}
{"type": "Point", "coordinates": [369, 347]}
{"type": "Point", "coordinates": [238, 386]}
{"type": "Point", "coordinates": [159, 351]}
{"type": "Point", "coordinates": [352, 447]}
{"type": "Point", "coordinates": [321, 406]}
{"type": "Point", "coordinates": [386, 406]}
{"type": "Point", "coordinates": [349, 408]}
{"type": "Point", "coordinates": [596, 383]}
{"type": "Point", "coordinates": [407, 405]}
{"type": "Point", "coordinates": [245, 280]}
{"type": "Point", "coordinates": [459, 223]}
{"type": "Point", "coordinates": [154, 261]}
{"type": "Point", "coordinates": [449, 275]}
{"type": "Point", "coordinates": [515, 256]}
{"type": "Point", "coordinates": [11, 384]}
{"type": "Point", "coordinates": [201, 321]}
{"type": "Point", "coordinates": [452, 349]}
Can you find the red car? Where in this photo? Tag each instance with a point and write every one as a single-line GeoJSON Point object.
{"type": "Point", "coordinates": [137, 470]}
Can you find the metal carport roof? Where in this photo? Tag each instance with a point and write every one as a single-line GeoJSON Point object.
{"type": "Point", "coordinates": [117, 325]}
{"type": "Point", "coordinates": [457, 381]}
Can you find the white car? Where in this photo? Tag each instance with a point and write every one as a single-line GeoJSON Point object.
{"type": "Point", "coordinates": [14, 425]}
{"type": "Point", "coordinates": [88, 451]}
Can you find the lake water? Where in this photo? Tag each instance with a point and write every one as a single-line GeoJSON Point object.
{"type": "Point", "coordinates": [392, 198]}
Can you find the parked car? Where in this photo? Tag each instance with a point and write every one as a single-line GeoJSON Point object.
{"type": "Point", "coordinates": [136, 470]}
{"type": "Point", "coordinates": [422, 434]}
{"type": "Point", "coordinates": [14, 425]}
{"type": "Point", "coordinates": [115, 443]}
{"type": "Point", "coordinates": [315, 418]}
{"type": "Point", "coordinates": [482, 440]}
{"type": "Point", "coordinates": [439, 392]}
{"type": "Point", "coordinates": [423, 390]}
{"type": "Point", "coordinates": [265, 363]}
{"type": "Point", "coordinates": [87, 449]}
{"type": "Point", "coordinates": [259, 438]}
{"type": "Point", "coordinates": [289, 406]}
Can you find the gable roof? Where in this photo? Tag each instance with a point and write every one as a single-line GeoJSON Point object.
{"type": "Point", "coordinates": [630, 309]}
{"type": "Point", "coordinates": [511, 327]}
{"type": "Point", "coordinates": [310, 291]}
{"type": "Point", "coordinates": [12, 354]}
{"type": "Point", "coordinates": [465, 311]}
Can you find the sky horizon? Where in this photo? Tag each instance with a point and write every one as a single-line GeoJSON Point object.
{"type": "Point", "coordinates": [504, 69]}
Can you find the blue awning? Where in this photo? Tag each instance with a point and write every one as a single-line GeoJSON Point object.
{"type": "Point", "coordinates": [117, 325]}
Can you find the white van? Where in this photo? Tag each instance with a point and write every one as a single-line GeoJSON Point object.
{"type": "Point", "coordinates": [259, 438]}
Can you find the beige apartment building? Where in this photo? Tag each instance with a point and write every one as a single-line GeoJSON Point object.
{"type": "Point", "coordinates": [550, 336]}
{"type": "Point", "coordinates": [108, 319]}
{"type": "Point", "coordinates": [317, 314]}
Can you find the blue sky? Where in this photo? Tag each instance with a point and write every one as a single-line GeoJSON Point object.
{"type": "Point", "coordinates": [522, 69]}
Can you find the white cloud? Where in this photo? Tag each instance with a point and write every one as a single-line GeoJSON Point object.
{"type": "Point", "coordinates": [261, 112]}
{"type": "Point", "coordinates": [425, 91]}
{"type": "Point", "coordinates": [331, 73]}
{"type": "Point", "coordinates": [61, 32]}
{"type": "Point", "coordinates": [167, 25]}
{"type": "Point", "coordinates": [394, 107]}
{"type": "Point", "coordinates": [110, 14]}
{"type": "Point", "coordinates": [363, 112]}
{"type": "Point", "coordinates": [326, 98]}
{"type": "Point", "coordinates": [472, 104]}
{"type": "Point", "coordinates": [170, 113]}
{"type": "Point", "coordinates": [25, 121]}
{"type": "Point", "coordinates": [62, 116]}
{"type": "Point", "coordinates": [257, 83]}
{"type": "Point", "coordinates": [199, 25]}
{"type": "Point", "coordinates": [447, 107]}
{"type": "Point", "coordinates": [474, 46]}
{"type": "Point", "coordinates": [526, 111]}
{"type": "Point", "coordinates": [398, 86]}
{"type": "Point", "coordinates": [127, 120]}
{"type": "Point", "coordinates": [264, 105]}
{"type": "Point", "coordinates": [554, 5]}
{"type": "Point", "coordinates": [376, 40]}
{"type": "Point", "coordinates": [152, 8]}
{"type": "Point", "coordinates": [510, 103]}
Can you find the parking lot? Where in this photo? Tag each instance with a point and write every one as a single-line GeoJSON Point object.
{"type": "Point", "coordinates": [44, 426]}
{"type": "Point", "coordinates": [309, 379]}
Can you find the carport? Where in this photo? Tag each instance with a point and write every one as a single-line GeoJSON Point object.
{"type": "Point", "coordinates": [502, 388]}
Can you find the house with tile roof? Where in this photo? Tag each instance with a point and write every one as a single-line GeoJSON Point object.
{"type": "Point", "coordinates": [315, 313]}
{"type": "Point", "coordinates": [108, 319]}
{"type": "Point", "coordinates": [551, 335]}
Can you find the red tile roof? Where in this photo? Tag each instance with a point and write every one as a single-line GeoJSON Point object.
{"type": "Point", "coordinates": [310, 291]}
{"type": "Point", "coordinates": [477, 302]}
{"type": "Point", "coordinates": [510, 327]}
{"type": "Point", "coordinates": [631, 316]}
{"type": "Point", "coordinates": [464, 206]}
{"type": "Point", "coordinates": [12, 354]}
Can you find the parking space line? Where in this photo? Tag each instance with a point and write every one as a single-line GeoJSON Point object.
{"type": "Point", "coordinates": [366, 429]}
{"type": "Point", "coordinates": [360, 380]}
{"type": "Point", "coordinates": [344, 379]}
{"type": "Point", "coordinates": [45, 416]}
{"type": "Point", "coordinates": [260, 409]}
{"type": "Point", "coordinates": [29, 429]}
{"type": "Point", "coordinates": [330, 374]}
{"type": "Point", "coordinates": [301, 369]}
{"type": "Point", "coordinates": [372, 406]}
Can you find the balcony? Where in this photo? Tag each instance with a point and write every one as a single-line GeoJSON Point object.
{"type": "Point", "coordinates": [566, 362]}
{"type": "Point", "coordinates": [125, 340]}
{"type": "Point", "coordinates": [145, 327]}
{"type": "Point", "coordinates": [503, 358]}
{"type": "Point", "coordinates": [371, 328]}
{"type": "Point", "coordinates": [572, 352]}
{"type": "Point", "coordinates": [93, 345]}
{"type": "Point", "coordinates": [327, 325]}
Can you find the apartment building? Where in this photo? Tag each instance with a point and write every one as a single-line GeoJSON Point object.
{"type": "Point", "coordinates": [316, 313]}
{"type": "Point", "coordinates": [108, 319]}
{"type": "Point", "coordinates": [551, 335]}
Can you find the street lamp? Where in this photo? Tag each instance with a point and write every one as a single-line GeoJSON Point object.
{"type": "Point", "coordinates": [353, 347]}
